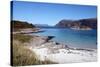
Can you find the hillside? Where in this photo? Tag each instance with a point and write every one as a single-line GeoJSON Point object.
{"type": "Point", "coordinates": [82, 23]}
{"type": "Point", "coordinates": [20, 25]}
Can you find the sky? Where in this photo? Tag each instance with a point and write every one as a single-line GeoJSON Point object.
{"type": "Point", "coordinates": [49, 13]}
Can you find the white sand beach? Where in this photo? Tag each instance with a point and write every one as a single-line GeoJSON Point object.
{"type": "Point", "coordinates": [62, 54]}
{"type": "Point", "coordinates": [66, 56]}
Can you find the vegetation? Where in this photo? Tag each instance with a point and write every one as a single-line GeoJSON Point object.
{"type": "Point", "coordinates": [22, 38]}
{"type": "Point", "coordinates": [20, 25]}
{"type": "Point", "coordinates": [23, 56]}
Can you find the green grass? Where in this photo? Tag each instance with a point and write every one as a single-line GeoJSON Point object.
{"type": "Point", "coordinates": [23, 56]}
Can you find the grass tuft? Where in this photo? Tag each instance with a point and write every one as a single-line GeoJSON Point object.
{"type": "Point", "coordinates": [23, 56]}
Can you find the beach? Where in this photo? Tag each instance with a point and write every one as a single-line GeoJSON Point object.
{"type": "Point", "coordinates": [61, 54]}
{"type": "Point", "coordinates": [47, 49]}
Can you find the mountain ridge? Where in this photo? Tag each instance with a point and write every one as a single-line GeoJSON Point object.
{"type": "Point", "coordinates": [81, 23]}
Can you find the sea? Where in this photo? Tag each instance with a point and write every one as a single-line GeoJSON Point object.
{"type": "Point", "coordinates": [72, 38]}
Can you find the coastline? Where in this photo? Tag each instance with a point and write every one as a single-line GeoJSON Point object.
{"type": "Point", "coordinates": [63, 54]}
{"type": "Point", "coordinates": [77, 28]}
{"type": "Point", "coordinates": [47, 49]}
{"type": "Point", "coordinates": [28, 30]}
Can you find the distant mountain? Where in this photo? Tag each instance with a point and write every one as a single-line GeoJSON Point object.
{"type": "Point", "coordinates": [90, 23]}
{"type": "Point", "coordinates": [20, 24]}
{"type": "Point", "coordinates": [43, 26]}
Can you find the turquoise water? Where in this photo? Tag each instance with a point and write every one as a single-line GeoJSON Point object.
{"type": "Point", "coordinates": [73, 38]}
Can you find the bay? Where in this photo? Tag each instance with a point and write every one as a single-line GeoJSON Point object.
{"type": "Point", "coordinates": [72, 38]}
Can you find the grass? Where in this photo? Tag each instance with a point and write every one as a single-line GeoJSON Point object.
{"type": "Point", "coordinates": [22, 38]}
{"type": "Point", "coordinates": [23, 56]}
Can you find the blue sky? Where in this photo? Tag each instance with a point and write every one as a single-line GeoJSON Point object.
{"type": "Point", "coordinates": [51, 14]}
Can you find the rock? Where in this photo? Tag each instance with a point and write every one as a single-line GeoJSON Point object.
{"type": "Point", "coordinates": [50, 37]}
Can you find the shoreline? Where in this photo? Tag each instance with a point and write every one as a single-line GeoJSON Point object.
{"type": "Point", "coordinates": [81, 28]}
{"type": "Point", "coordinates": [53, 50]}
{"type": "Point", "coordinates": [47, 49]}
{"type": "Point", "coordinates": [28, 30]}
